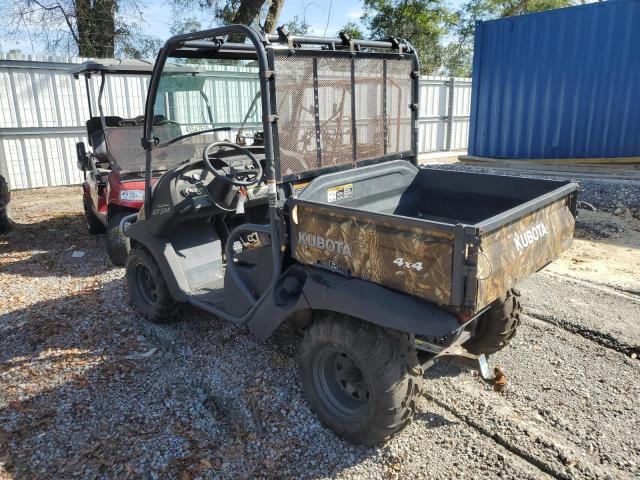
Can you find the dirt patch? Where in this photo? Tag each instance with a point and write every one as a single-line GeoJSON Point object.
{"type": "Point", "coordinates": [606, 251]}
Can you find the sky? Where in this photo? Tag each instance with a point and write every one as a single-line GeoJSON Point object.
{"type": "Point", "coordinates": [315, 12]}
{"type": "Point", "coordinates": [321, 15]}
{"type": "Point", "coordinates": [159, 16]}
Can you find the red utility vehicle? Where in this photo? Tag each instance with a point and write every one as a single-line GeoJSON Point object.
{"type": "Point", "coordinates": [114, 168]}
{"type": "Point", "coordinates": [114, 165]}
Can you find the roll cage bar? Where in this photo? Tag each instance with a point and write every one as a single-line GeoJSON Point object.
{"type": "Point", "coordinates": [104, 68]}
{"type": "Point", "coordinates": [261, 47]}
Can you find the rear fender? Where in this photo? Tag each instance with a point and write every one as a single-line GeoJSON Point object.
{"type": "Point", "coordinates": [323, 290]}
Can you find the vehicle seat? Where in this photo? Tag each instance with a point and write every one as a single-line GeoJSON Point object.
{"type": "Point", "coordinates": [95, 135]}
{"type": "Point", "coordinates": [132, 122]}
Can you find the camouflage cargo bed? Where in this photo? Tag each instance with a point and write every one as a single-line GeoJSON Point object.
{"type": "Point", "coordinates": [453, 238]}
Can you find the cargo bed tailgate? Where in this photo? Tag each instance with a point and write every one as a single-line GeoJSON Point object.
{"type": "Point", "coordinates": [516, 244]}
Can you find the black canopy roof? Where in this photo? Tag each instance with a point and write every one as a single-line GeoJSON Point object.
{"type": "Point", "coordinates": [113, 65]}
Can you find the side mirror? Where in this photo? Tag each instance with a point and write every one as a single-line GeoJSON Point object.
{"type": "Point", "coordinates": [83, 160]}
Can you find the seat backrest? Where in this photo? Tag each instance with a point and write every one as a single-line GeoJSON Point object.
{"type": "Point", "coordinates": [94, 124]}
{"type": "Point", "coordinates": [97, 142]}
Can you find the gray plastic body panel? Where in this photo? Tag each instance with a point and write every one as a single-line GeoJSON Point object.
{"type": "Point", "coordinates": [190, 259]}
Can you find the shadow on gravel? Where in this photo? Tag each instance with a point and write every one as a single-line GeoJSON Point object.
{"type": "Point", "coordinates": [90, 389]}
{"type": "Point", "coordinates": [87, 388]}
{"type": "Point", "coordinates": [82, 396]}
{"type": "Point", "coordinates": [44, 248]}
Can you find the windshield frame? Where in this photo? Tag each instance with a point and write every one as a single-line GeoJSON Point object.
{"type": "Point", "coordinates": [255, 50]}
{"type": "Point", "coordinates": [184, 100]}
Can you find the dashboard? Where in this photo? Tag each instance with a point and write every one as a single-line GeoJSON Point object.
{"type": "Point", "coordinates": [196, 188]}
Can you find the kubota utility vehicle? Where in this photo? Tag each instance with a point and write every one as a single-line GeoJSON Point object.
{"type": "Point", "coordinates": [327, 225]}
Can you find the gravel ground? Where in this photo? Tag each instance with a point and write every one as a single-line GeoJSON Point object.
{"type": "Point", "coordinates": [91, 390]}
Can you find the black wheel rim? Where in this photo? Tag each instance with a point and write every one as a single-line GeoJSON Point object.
{"type": "Point", "coordinates": [146, 284]}
{"type": "Point", "coordinates": [340, 384]}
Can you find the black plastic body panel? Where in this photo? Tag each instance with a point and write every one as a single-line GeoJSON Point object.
{"type": "Point", "coordinates": [324, 290]}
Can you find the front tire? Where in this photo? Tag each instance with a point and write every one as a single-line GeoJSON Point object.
{"type": "Point", "coordinates": [361, 380]}
{"type": "Point", "coordinates": [497, 326]}
{"type": "Point", "coordinates": [118, 245]}
{"type": "Point", "coordinates": [147, 289]}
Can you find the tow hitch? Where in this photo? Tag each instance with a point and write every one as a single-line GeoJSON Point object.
{"type": "Point", "coordinates": [456, 350]}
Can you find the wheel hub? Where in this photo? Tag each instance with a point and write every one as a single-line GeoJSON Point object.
{"type": "Point", "coordinates": [146, 284]}
{"type": "Point", "coordinates": [341, 384]}
{"type": "Point", "coordinates": [350, 378]}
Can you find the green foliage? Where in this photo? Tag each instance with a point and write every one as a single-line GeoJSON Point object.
{"type": "Point", "coordinates": [260, 13]}
{"type": "Point", "coordinates": [422, 22]}
{"type": "Point", "coordinates": [458, 53]}
{"type": "Point", "coordinates": [297, 26]}
{"type": "Point", "coordinates": [508, 8]}
{"type": "Point", "coordinates": [138, 46]}
{"type": "Point", "coordinates": [185, 25]}
{"type": "Point", "coordinates": [353, 30]}
{"type": "Point", "coordinates": [444, 37]}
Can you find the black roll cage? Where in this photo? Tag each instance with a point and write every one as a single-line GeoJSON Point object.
{"type": "Point", "coordinates": [262, 47]}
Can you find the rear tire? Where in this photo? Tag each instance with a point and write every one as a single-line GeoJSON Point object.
{"type": "Point", "coordinates": [497, 326]}
{"type": "Point", "coordinates": [94, 225]}
{"type": "Point", "coordinates": [147, 289]}
{"type": "Point", "coordinates": [118, 245]}
{"type": "Point", "coordinates": [361, 380]}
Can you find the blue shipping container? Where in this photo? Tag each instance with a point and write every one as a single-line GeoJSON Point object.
{"type": "Point", "coordinates": [558, 84]}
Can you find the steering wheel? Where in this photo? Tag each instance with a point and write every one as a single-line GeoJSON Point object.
{"type": "Point", "coordinates": [253, 174]}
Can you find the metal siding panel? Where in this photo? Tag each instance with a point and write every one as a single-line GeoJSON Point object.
{"type": "Point", "coordinates": [558, 84]}
{"type": "Point", "coordinates": [17, 175]}
{"type": "Point", "coordinates": [432, 119]}
{"type": "Point", "coordinates": [7, 107]}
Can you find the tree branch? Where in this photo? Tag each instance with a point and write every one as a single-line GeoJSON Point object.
{"type": "Point", "coordinates": [67, 16]}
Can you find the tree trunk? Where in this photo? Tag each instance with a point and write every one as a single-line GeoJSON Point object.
{"type": "Point", "coordinates": [96, 27]}
{"type": "Point", "coordinates": [249, 12]}
{"type": "Point", "coordinates": [271, 22]}
{"type": "Point", "coordinates": [105, 12]}
{"type": "Point", "coordinates": [5, 197]}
